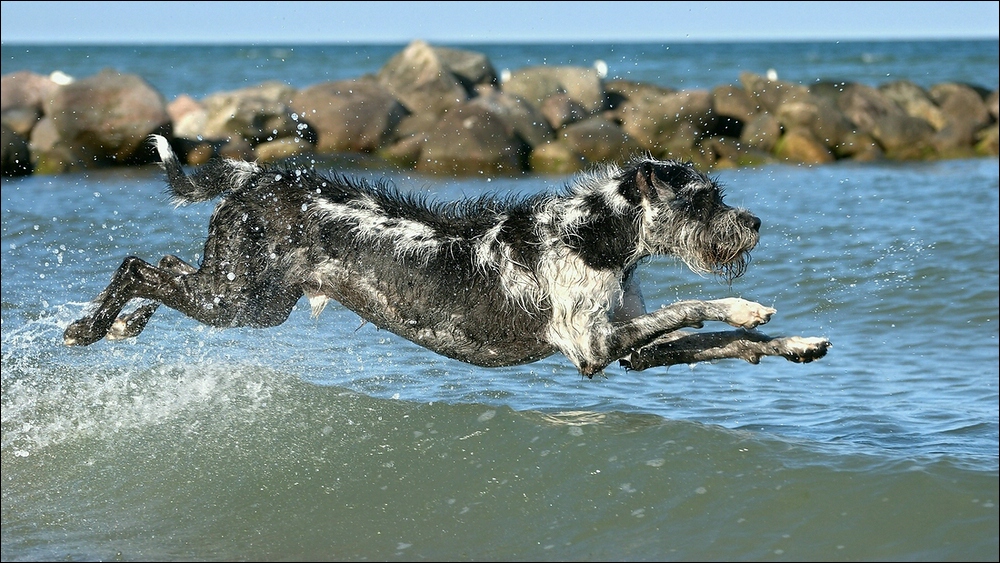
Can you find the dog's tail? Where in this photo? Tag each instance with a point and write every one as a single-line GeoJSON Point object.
{"type": "Point", "coordinates": [215, 178]}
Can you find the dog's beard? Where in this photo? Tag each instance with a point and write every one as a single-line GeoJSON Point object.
{"type": "Point", "coordinates": [729, 271]}
{"type": "Point", "coordinates": [728, 265]}
{"type": "Point", "coordinates": [724, 253]}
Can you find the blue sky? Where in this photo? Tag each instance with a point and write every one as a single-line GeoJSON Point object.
{"type": "Point", "coordinates": [469, 22]}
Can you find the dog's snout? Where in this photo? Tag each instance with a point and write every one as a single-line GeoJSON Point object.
{"type": "Point", "coordinates": [752, 221]}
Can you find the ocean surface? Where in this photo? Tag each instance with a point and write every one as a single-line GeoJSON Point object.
{"type": "Point", "coordinates": [327, 439]}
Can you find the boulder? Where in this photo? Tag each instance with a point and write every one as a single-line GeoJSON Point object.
{"type": "Point", "coordinates": [257, 114]}
{"type": "Point", "coordinates": [721, 151]}
{"type": "Point", "coordinates": [560, 110]}
{"type": "Point", "coordinates": [470, 139]}
{"type": "Point", "coordinates": [901, 136]}
{"type": "Point", "coordinates": [769, 95]}
{"type": "Point", "coordinates": [961, 103]}
{"type": "Point", "coordinates": [15, 158]}
{"type": "Point", "coordinates": [761, 132]}
{"type": "Point", "coordinates": [798, 144]}
{"type": "Point", "coordinates": [472, 69]}
{"type": "Point", "coordinates": [100, 120]}
{"type": "Point", "coordinates": [349, 115]}
{"type": "Point", "coordinates": [556, 157]}
{"type": "Point", "coordinates": [25, 95]}
{"type": "Point", "coordinates": [663, 120]}
{"type": "Point", "coordinates": [733, 102]}
{"type": "Point", "coordinates": [820, 116]}
{"type": "Point", "coordinates": [420, 77]}
{"type": "Point", "coordinates": [281, 149]}
{"type": "Point", "coordinates": [992, 102]}
{"type": "Point", "coordinates": [915, 101]}
{"type": "Point", "coordinates": [965, 113]}
{"type": "Point", "coordinates": [599, 140]}
{"type": "Point", "coordinates": [582, 84]}
{"type": "Point", "coordinates": [521, 118]}
{"type": "Point", "coordinates": [188, 116]}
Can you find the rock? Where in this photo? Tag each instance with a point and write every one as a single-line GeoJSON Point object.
{"type": "Point", "coordinates": [965, 113]}
{"type": "Point", "coordinates": [667, 121]}
{"type": "Point", "coordinates": [409, 138]}
{"type": "Point", "coordinates": [25, 94]}
{"type": "Point", "coordinates": [472, 69]}
{"type": "Point", "coordinates": [349, 115]}
{"type": "Point", "coordinates": [798, 144]}
{"type": "Point", "coordinates": [859, 146]}
{"type": "Point", "coordinates": [721, 152]}
{"type": "Point", "coordinates": [257, 114]}
{"type": "Point", "coordinates": [283, 148]}
{"type": "Point", "coordinates": [915, 101]}
{"type": "Point", "coordinates": [992, 102]}
{"type": "Point", "coordinates": [769, 95]}
{"type": "Point", "coordinates": [733, 102]}
{"type": "Point", "coordinates": [15, 158]}
{"type": "Point", "coordinates": [442, 110]}
{"type": "Point", "coordinates": [582, 84]}
{"type": "Point", "coordinates": [987, 142]}
{"type": "Point", "coordinates": [961, 103]}
{"type": "Point", "coordinates": [100, 120]}
{"type": "Point", "coordinates": [599, 140]}
{"type": "Point", "coordinates": [733, 108]}
{"type": "Point", "coordinates": [900, 135]}
{"type": "Point", "coordinates": [820, 116]}
{"type": "Point", "coordinates": [556, 157]}
{"type": "Point", "coordinates": [560, 110]}
{"type": "Point", "coordinates": [198, 153]}
{"type": "Point", "coordinates": [238, 148]}
{"type": "Point", "coordinates": [188, 116]}
{"type": "Point", "coordinates": [420, 78]}
{"type": "Point", "coordinates": [404, 152]}
{"type": "Point", "coordinates": [762, 132]}
{"type": "Point", "coordinates": [470, 139]}
{"type": "Point", "coordinates": [521, 118]}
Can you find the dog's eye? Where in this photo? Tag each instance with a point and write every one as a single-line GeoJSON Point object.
{"type": "Point", "coordinates": [696, 200]}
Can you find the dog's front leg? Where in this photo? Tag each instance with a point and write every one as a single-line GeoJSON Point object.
{"type": "Point", "coordinates": [631, 334]}
{"type": "Point", "coordinates": [640, 331]}
{"type": "Point", "coordinates": [749, 345]}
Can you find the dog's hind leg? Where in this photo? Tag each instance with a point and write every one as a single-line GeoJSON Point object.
{"type": "Point", "coordinates": [749, 345]}
{"type": "Point", "coordinates": [207, 295]}
{"type": "Point", "coordinates": [134, 278]}
{"type": "Point", "coordinates": [130, 325]}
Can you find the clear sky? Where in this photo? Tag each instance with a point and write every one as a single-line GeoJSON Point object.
{"type": "Point", "coordinates": [472, 22]}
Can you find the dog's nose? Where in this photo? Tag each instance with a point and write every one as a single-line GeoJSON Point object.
{"type": "Point", "coordinates": [754, 222]}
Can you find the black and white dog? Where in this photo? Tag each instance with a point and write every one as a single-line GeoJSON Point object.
{"type": "Point", "coordinates": [490, 281]}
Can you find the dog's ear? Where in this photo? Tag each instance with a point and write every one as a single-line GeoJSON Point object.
{"type": "Point", "coordinates": [638, 183]}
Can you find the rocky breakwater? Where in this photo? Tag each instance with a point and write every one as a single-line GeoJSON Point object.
{"type": "Point", "coordinates": [444, 110]}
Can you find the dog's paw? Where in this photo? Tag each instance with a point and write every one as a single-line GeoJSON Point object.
{"type": "Point", "coordinates": [130, 325]}
{"type": "Point", "coordinates": [746, 314]}
{"type": "Point", "coordinates": [81, 333]}
{"type": "Point", "coordinates": [801, 350]}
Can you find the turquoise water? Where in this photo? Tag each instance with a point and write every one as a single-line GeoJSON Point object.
{"type": "Point", "coordinates": [324, 439]}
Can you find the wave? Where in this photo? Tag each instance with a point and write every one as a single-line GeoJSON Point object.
{"type": "Point", "coordinates": [221, 460]}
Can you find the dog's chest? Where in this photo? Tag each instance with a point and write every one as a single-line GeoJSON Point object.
{"type": "Point", "coordinates": [581, 300]}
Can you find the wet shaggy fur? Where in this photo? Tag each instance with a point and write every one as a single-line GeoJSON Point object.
{"type": "Point", "coordinates": [492, 281]}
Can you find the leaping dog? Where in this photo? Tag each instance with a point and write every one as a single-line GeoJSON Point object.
{"type": "Point", "coordinates": [490, 281]}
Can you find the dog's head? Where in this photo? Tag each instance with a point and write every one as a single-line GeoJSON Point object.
{"type": "Point", "coordinates": [684, 216]}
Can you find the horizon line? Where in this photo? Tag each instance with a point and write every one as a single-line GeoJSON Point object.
{"type": "Point", "coordinates": [373, 42]}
